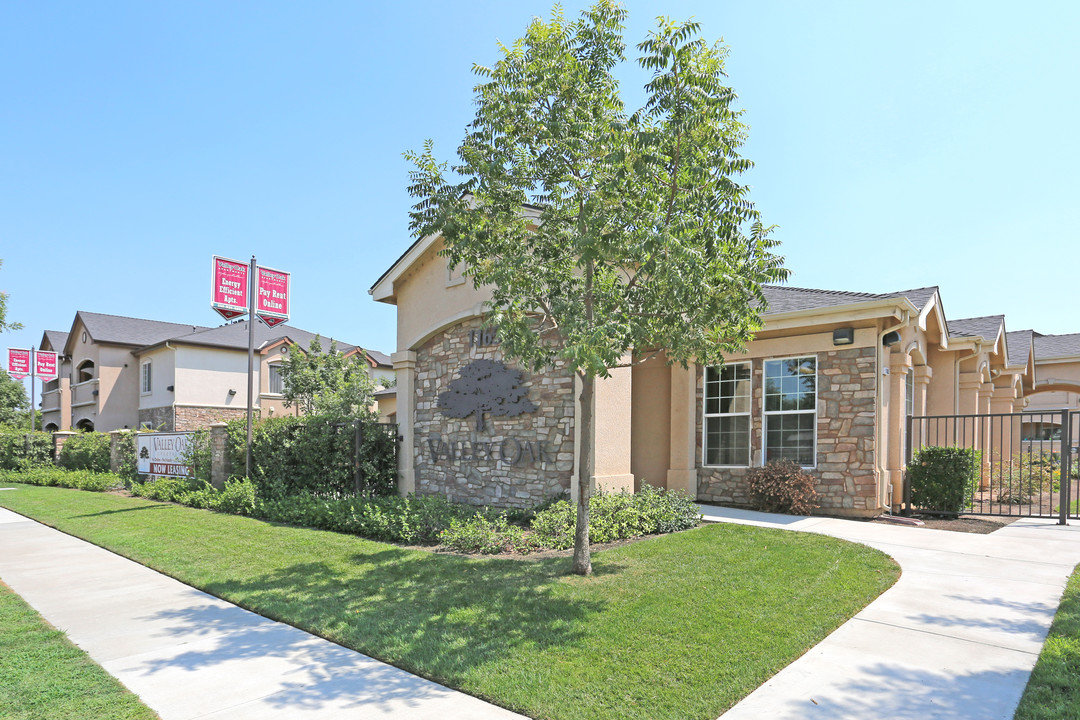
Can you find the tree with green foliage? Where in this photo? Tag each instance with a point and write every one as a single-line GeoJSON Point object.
{"type": "Point", "coordinates": [13, 401]}
{"type": "Point", "coordinates": [605, 237]}
{"type": "Point", "coordinates": [327, 383]}
{"type": "Point", "coordinates": [4, 324]}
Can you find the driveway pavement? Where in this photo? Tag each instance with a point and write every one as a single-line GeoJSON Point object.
{"type": "Point", "coordinates": [956, 637]}
{"type": "Point", "coordinates": [190, 655]}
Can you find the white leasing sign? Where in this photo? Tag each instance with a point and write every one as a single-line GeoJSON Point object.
{"type": "Point", "coordinates": [164, 454]}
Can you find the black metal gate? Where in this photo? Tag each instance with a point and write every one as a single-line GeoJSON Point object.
{"type": "Point", "coordinates": [374, 454]}
{"type": "Point", "coordinates": [1025, 464]}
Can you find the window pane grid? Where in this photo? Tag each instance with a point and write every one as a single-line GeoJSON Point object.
{"type": "Point", "coordinates": [790, 405]}
{"type": "Point", "coordinates": [727, 415]}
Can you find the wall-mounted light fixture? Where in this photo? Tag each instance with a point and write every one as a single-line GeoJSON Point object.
{"type": "Point", "coordinates": [843, 336]}
{"type": "Point", "coordinates": [171, 388]}
{"type": "Point", "coordinates": [232, 392]}
{"type": "Point", "coordinates": [890, 338]}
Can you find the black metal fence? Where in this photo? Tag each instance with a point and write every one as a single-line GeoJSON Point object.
{"type": "Point", "coordinates": [1024, 464]}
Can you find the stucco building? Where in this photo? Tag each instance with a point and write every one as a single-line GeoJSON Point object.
{"type": "Point", "coordinates": [828, 382]}
{"type": "Point", "coordinates": [120, 372]}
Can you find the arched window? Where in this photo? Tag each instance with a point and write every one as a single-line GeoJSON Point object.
{"type": "Point", "coordinates": [86, 424]}
{"type": "Point", "coordinates": [52, 427]}
{"type": "Point", "coordinates": [85, 371]}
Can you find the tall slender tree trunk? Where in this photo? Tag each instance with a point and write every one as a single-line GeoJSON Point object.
{"type": "Point", "coordinates": [585, 449]}
{"type": "Point", "coordinates": [582, 551]}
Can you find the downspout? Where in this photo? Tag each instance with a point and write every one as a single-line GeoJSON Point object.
{"type": "Point", "coordinates": [882, 462]}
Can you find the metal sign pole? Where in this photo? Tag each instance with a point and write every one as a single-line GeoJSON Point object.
{"type": "Point", "coordinates": [251, 359]}
{"type": "Point", "coordinates": [33, 388]}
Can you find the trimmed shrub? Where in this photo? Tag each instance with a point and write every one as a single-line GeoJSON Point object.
{"type": "Point", "coordinates": [166, 489]}
{"type": "Point", "coordinates": [939, 478]}
{"type": "Point", "coordinates": [781, 486]}
{"type": "Point", "coordinates": [21, 449]}
{"type": "Point", "coordinates": [617, 516]}
{"type": "Point", "coordinates": [85, 451]}
{"type": "Point", "coordinates": [487, 536]}
{"type": "Point", "coordinates": [59, 477]}
{"type": "Point", "coordinates": [313, 455]}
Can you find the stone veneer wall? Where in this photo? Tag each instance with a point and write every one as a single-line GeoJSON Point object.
{"type": "Point", "coordinates": [159, 418]}
{"type": "Point", "coordinates": [453, 459]}
{"type": "Point", "coordinates": [197, 418]}
{"type": "Point", "coordinates": [845, 474]}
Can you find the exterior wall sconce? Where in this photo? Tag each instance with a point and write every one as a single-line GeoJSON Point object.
{"type": "Point", "coordinates": [843, 336]}
{"type": "Point", "coordinates": [890, 339]}
{"type": "Point", "coordinates": [171, 388]}
{"type": "Point", "coordinates": [231, 392]}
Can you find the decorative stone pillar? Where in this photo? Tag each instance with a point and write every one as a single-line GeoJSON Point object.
{"type": "Point", "coordinates": [59, 438]}
{"type": "Point", "coordinates": [219, 454]}
{"type": "Point", "coordinates": [117, 446]}
{"type": "Point", "coordinates": [405, 370]}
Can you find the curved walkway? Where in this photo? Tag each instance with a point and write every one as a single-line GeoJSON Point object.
{"type": "Point", "coordinates": [956, 637]}
{"type": "Point", "coordinates": [189, 655]}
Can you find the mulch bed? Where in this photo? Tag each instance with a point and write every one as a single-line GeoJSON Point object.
{"type": "Point", "coordinates": [982, 524]}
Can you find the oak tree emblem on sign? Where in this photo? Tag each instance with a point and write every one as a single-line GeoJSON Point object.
{"type": "Point", "coordinates": [485, 386]}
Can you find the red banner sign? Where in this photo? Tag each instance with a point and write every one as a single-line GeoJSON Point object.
{"type": "Point", "coordinates": [45, 365]}
{"type": "Point", "coordinates": [271, 295]}
{"type": "Point", "coordinates": [18, 363]}
{"type": "Point", "coordinates": [229, 293]}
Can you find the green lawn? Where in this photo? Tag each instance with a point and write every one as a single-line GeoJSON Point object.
{"type": "Point", "coordinates": [680, 626]}
{"type": "Point", "coordinates": [43, 676]}
{"type": "Point", "coordinates": [1053, 692]}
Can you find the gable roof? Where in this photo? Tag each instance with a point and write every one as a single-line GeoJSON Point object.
{"type": "Point", "coordinates": [136, 332]}
{"type": "Point", "coordinates": [986, 327]}
{"type": "Point", "coordinates": [783, 299]}
{"type": "Point", "coordinates": [1056, 346]}
{"type": "Point", "coordinates": [55, 339]}
{"type": "Point", "coordinates": [234, 336]}
{"type": "Point", "coordinates": [379, 358]}
{"type": "Point", "coordinates": [1018, 345]}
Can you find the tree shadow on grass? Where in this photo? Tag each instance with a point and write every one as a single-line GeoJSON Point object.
{"type": "Point", "coordinates": [156, 506]}
{"type": "Point", "coordinates": [438, 616]}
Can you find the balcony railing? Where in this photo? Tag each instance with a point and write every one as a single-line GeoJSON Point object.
{"type": "Point", "coordinates": [50, 400]}
{"type": "Point", "coordinates": [84, 393]}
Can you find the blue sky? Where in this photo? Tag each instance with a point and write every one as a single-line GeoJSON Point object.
{"type": "Point", "coordinates": [896, 146]}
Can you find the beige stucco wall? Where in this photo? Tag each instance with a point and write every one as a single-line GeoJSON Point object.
{"type": "Point", "coordinates": [162, 376]}
{"type": "Point", "coordinates": [204, 377]}
{"type": "Point", "coordinates": [427, 298]}
{"type": "Point", "coordinates": [650, 421]}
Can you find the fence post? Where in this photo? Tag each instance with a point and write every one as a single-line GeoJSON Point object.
{"type": "Point", "coordinates": [116, 449]}
{"type": "Point", "coordinates": [1066, 468]}
{"type": "Point", "coordinates": [59, 438]}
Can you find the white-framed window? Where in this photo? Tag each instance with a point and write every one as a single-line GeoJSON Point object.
{"type": "Point", "coordinates": [790, 404]}
{"type": "Point", "coordinates": [146, 378]}
{"type": "Point", "coordinates": [275, 385]}
{"type": "Point", "coordinates": [727, 415]}
{"type": "Point", "coordinates": [909, 393]}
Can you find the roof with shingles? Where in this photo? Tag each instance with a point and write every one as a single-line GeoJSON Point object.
{"type": "Point", "coordinates": [986, 327]}
{"type": "Point", "coordinates": [1056, 346]}
{"type": "Point", "coordinates": [235, 336]}
{"type": "Point", "coordinates": [56, 339]}
{"type": "Point", "coordinates": [1019, 345]}
{"type": "Point", "coordinates": [131, 331]}
{"type": "Point", "coordinates": [784, 299]}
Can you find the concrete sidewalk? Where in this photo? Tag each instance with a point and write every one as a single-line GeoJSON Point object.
{"type": "Point", "coordinates": [955, 637]}
{"type": "Point", "coordinates": [190, 655]}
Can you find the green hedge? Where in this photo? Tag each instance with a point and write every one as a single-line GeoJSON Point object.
{"type": "Point", "coordinates": [59, 477]}
{"type": "Point", "coordinates": [85, 451]}
{"type": "Point", "coordinates": [21, 449]}
{"type": "Point", "coordinates": [312, 455]}
{"type": "Point", "coordinates": [617, 516]}
{"type": "Point", "coordinates": [941, 478]}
